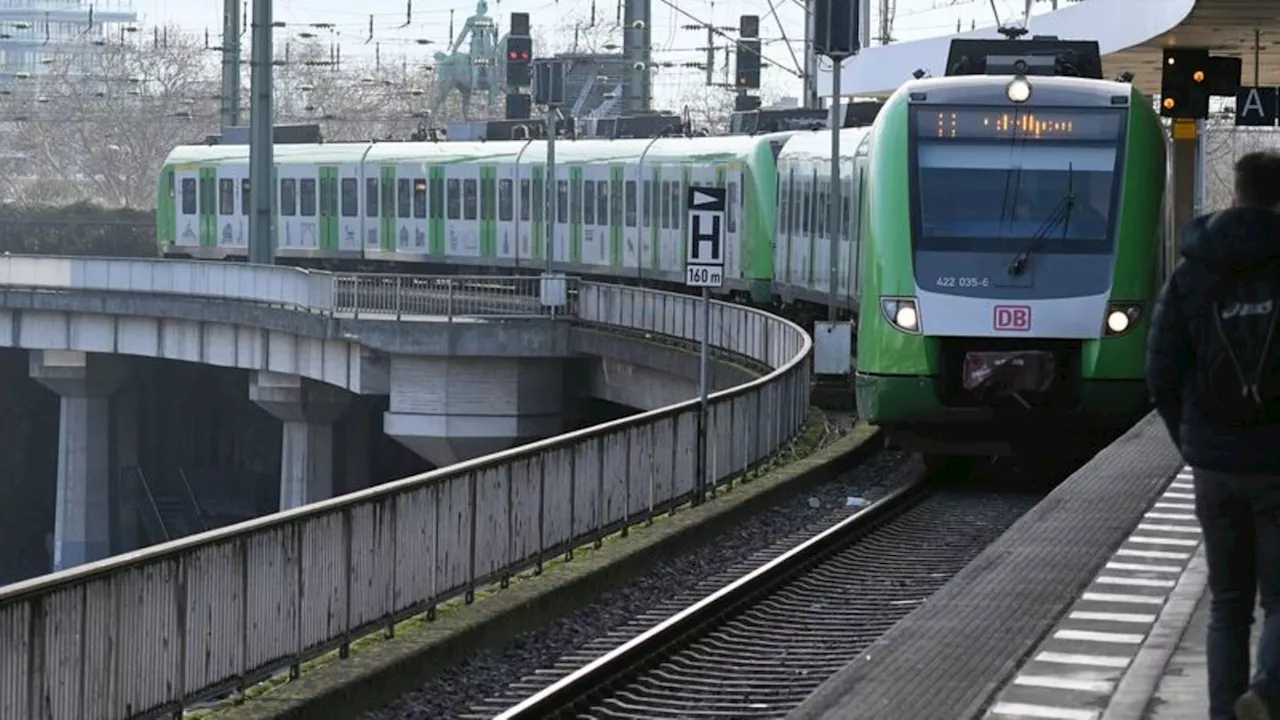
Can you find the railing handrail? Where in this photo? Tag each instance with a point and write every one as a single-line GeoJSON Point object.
{"type": "Point", "coordinates": [315, 291]}
{"type": "Point", "coordinates": [179, 545]}
{"type": "Point", "coordinates": [141, 478]}
{"type": "Point", "coordinates": [195, 504]}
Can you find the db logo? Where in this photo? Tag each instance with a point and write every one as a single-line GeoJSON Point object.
{"type": "Point", "coordinates": [1013, 317]}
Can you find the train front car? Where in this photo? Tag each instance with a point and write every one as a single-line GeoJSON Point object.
{"type": "Point", "coordinates": [1013, 251]}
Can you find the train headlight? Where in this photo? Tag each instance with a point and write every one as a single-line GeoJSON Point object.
{"type": "Point", "coordinates": [1019, 90]}
{"type": "Point", "coordinates": [902, 313]}
{"type": "Point", "coordinates": [1121, 317]}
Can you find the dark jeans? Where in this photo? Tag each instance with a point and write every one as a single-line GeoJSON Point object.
{"type": "Point", "coordinates": [1240, 516]}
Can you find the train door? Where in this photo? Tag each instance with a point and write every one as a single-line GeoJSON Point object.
{"type": "Point", "coordinates": [734, 252]}
{"type": "Point", "coordinates": [801, 239]}
{"type": "Point", "coordinates": [651, 218]}
{"type": "Point", "coordinates": [208, 208]}
{"type": "Point", "coordinates": [632, 219]}
{"type": "Point", "coordinates": [347, 219]}
{"type": "Point", "coordinates": [529, 225]}
{"type": "Point", "coordinates": [507, 245]}
{"type": "Point", "coordinates": [435, 210]}
{"type": "Point", "coordinates": [371, 210]}
{"type": "Point", "coordinates": [668, 190]}
{"type": "Point", "coordinates": [186, 206]}
{"type": "Point", "coordinates": [560, 238]}
{"type": "Point", "coordinates": [228, 220]}
{"type": "Point", "coordinates": [327, 209]}
{"type": "Point", "coordinates": [488, 212]}
{"type": "Point", "coordinates": [463, 188]}
{"type": "Point", "coordinates": [387, 220]}
{"type": "Point", "coordinates": [782, 231]}
{"type": "Point", "coordinates": [571, 250]}
{"type": "Point", "coordinates": [595, 215]}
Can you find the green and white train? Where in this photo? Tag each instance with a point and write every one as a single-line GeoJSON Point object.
{"type": "Point", "coordinates": [479, 206]}
{"type": "Point", "coordinates": [1001, 238]}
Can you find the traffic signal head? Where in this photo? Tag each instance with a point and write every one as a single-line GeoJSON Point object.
{"type": "Point", "coordinates": [1184, 86]}
{"type": "Point", "coordinates": [519, 58]}
{"type": "Point", "coordinates": [748, 60]}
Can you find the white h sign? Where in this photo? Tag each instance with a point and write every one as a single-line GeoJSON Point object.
{"type": "Point", "coordinates": [704, 264]}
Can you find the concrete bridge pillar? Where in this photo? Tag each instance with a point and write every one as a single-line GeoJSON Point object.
{"type": "Point", "coordinates": [308, 410]}
{"type": "Point", "coordinates": [84, 383]}
{"type": "Point", "coordinates": [448, 410]}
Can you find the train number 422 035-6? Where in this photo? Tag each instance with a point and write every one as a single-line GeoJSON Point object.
{"type": "Point", "coordinates": [964, 282]}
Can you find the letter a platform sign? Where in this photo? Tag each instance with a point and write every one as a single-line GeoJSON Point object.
{"type": "Point", "coordinates": [704, 264]}
{"type": "Point", "coordinates": [1257, 106]}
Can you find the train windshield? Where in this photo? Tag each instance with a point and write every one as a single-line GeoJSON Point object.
{"type": "Point", "coordinates": [990, 179]}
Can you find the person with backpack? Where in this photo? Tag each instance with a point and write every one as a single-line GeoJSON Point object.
{"type": "Point", "coordinates": [1213, 370]}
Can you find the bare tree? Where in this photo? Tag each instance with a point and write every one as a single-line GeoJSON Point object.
{"type": "Point", "coordinates": [1224, 144]}
{"type": "Point", "coordinates": [98, 125]}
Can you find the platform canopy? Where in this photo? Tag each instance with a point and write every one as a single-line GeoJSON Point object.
{"type": "Point", "coordinates": [1130, 33]}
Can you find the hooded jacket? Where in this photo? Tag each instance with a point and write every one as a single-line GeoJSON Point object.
{"type": "Point", "coordinates": [1210, 244]}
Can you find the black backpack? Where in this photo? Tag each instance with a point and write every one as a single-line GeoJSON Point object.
{"type": "Point", "coordinates": [1237, 354]}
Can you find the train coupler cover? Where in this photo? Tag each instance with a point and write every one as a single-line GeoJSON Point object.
{"type": "Point", "coordinates": [1009, 372]}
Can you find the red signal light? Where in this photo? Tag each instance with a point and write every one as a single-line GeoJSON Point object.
{"type": "Point", "coordinates": [513, 55]}
{"type": "Point", "coordinates": [524, 56]}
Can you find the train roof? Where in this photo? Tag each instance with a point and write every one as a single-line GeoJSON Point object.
{"type": "Point", "coordinates": [1102, 89]}
{"type": "Point", "coordinates": [681, 150]}
{"type": "Point", "coordinates": [816, 144]}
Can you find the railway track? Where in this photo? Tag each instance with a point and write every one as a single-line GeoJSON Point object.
{"type": "Point", "coordinates": [762, 642]}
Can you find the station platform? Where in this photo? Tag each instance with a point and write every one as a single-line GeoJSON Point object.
{"type": "Point", "coordinates": [1132, 647]}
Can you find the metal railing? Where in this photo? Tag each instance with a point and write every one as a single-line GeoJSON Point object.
{"type": "Point", "coordinates": [146, 633]}
{"type": "Point", "coordinates": [374, 296]}
{"type": "Point", "coordinates": [356, 295]}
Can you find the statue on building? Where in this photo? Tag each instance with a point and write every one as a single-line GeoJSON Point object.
{"type": "Point", "coordinates": [479, 69]}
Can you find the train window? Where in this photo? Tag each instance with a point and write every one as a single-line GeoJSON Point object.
{"type": "Point", "coordinates": [602, 203]}
{"type": "Point", "coordinates": [455, 199]}
{"type": "Point", "coordinates": [188, 196]}
{"type": "Point", "coordinates": [307, 197]}
{"type": "Point", "coordinates": [646, 203]}
{"type": "Point", "coordinates": [538, 201]}
{"type": "Point", "coordinates": [488, 204]}
{"type": "Point", "coordinates": [820, 221]}
{"type": "Point", "coordinates": [420, 198]}
{"type": "Point", "coordinates": [525, 200]}
{"type": "Point", "coordinates": [226, 196]}
{"type": "Point", "coordinates": [469, 200]}
{"type": "Point", "coordinates": [246, 198]}
{"type": "Point", "coordinates": [371, 197]}
{"type": "Point", "coordinates": [289, 197]}
{"type": "Point", "coordinates": [631, 202]}
{"type": "Point", "coordinates": [589, 203]}
{"type": "Point", "coordinates": [806, 208]}
{"type": "Point", "coordinates": [784, 199]}
{"type": "Point", "coordinates": [506, 201]}
{"type": "Point", "coordinates": [731, 215]}
{"type": "Point", "coordinates": [436, 186]}
{"type": "Point", "coordinates": [846, 206]}
{"type": "Point", "coordinates": [562, 202]}
{"type": "Point", "coordinates": [664, 190]}
{"type": "Point", "coordinates": [404, 198]}
{"type": "Point", "coordinates": [676, 196]}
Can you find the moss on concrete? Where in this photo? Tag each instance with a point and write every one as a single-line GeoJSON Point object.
{"type": "Point", "coordinates": [378, 670]}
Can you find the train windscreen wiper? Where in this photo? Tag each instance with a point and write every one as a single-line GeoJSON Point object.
{"type": "Point", "coordinates": [1061, 214]}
